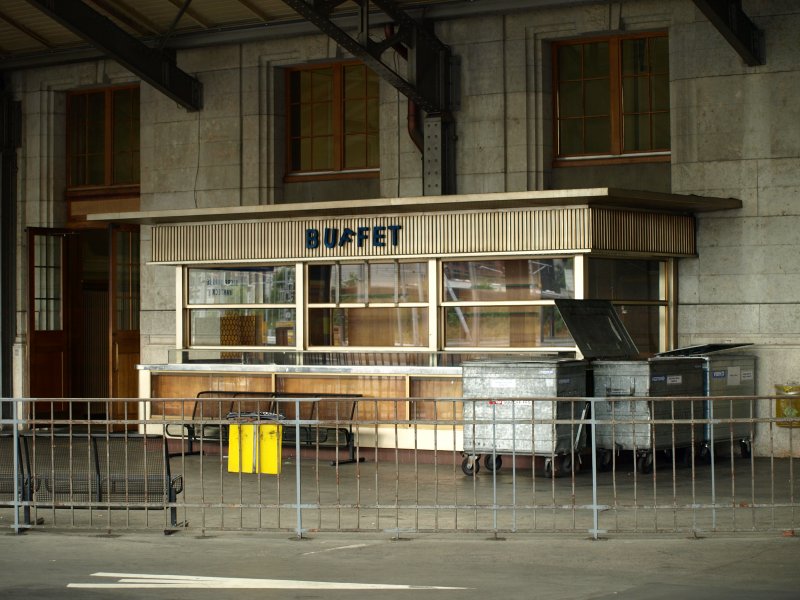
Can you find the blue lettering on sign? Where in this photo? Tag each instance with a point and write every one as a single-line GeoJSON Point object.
{"type": "Point", "coordinates": [378, 236]}
{"type": "Point", "coordinates": [658, 378]}
{"type": "Point", "coordinates": [718, 374]}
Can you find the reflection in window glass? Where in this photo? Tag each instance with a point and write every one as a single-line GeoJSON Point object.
{"type": "Point", "coordinates": [321, 288]}
{"type": "Point", "coordinates": [371, 327]}
{"type": "Point", "coordinates": [508, 280]}
{"type": "Point", "coordinates": [505, 327]}
{"type": "Point", "coordinates": [242, 327]}
{"type": "Point", "coordinates": [413, 282]}
{"type": "Point", "coordinates": [382, 282]}
{"type": "Point", "coordinates": [352, 283]}
{"type": "Point", "coordinates": [643, 325]}
{"type": "Point", "coordinates": [258, 285]}
{"type": "Point", "coordinates": [372, 283]}
{"type": "Point", "coordinates": [611, 279]}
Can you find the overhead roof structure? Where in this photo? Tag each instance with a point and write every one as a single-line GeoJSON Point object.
{"type": "Point", "coordinates": [29, 37]}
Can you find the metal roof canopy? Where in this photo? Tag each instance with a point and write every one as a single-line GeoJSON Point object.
{"type": "Point", "coordinates": [28, 41]}
{"type": "Point", "coordinates": [153, 66]}
{"type": "Point", "coordinates": [608, 197]}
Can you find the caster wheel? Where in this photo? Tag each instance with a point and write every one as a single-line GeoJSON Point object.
{"type": "Point", "coordinates": [548, 468]}
{"type": "Point", "coordinates": [470, 466]}
{"type": "Point", "coordinates": [705, 455]}
{"type": "Point", "coordinates": [686, 457]}
{"type": "Point", "coordinates": [644, 463]}
{"type": "Point", "coordinates": [745, 449]}
{"type": "Point", "coordinates": [492, 462]}
{"type": "Point", "coordinates": [604, 460]}
{"type": "Point", "coordinates": [569, 465]}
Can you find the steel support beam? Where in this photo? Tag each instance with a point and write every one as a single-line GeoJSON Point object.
{"type": "Point", "coordinates": [152, 66]}
{"type": "Point", "coordinates": [735, 26]}
{"type": "Point", "coordinates": [10, 141]}
{"type": "Point", "coordinates": [318, 12]}
{"type": "Point", "coordinates": [428, 82]}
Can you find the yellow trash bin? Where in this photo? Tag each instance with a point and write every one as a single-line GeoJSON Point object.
{"type": "Point", "coordinates": [787, 404]}
{"type": "Point", "coordinates": [258, 454]}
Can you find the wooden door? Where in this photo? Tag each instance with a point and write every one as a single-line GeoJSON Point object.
{"type": "Point", "coordinates": [124, 319]}
{"type": "Point", "coordinates": [50, 252]}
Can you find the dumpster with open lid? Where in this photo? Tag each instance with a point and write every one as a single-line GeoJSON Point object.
{"type": "Point", "coordinates": [630, 424]}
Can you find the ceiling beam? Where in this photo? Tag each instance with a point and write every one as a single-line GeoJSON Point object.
{"type": "Point", "coordinates": [183, 5]}
{"type": "Point", "coordinates": [20, 27]}
{"type": "Point", "coordinates": [127, 16]}
{"type": "Point", "coordinates": [152, 66]}
{"type": "Point", "coordinates": [431, 55]}
{"type": "Point", "coordinates": [735, 26]}
{"type": "Point", "coordinates": [137, 24]}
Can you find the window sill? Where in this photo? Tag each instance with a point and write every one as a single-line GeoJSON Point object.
{"type": "Point", "coordinates": [332, 175]}
{"type": "Point", "coordinates": [592, 161]}
{"type": "Point", "coordinates": [110, 191]}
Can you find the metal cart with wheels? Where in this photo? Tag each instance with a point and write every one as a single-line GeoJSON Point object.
{"type": "Point", "coordinates": [728, 374]}
{"type": "Point", "coordinates": [503, 419]}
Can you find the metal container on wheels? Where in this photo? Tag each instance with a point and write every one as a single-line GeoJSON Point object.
{"type": "Point", "coordinates": [630, 425]}
{"type": "Point", "coordinates": [726, 374]}
{"type": "Point", "coordinates": [633, 425]}
{"type": "Point", "coordinates": [499, 422]}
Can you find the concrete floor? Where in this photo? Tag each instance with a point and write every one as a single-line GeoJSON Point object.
{"type": "Point", "coordinates": [400, 498]}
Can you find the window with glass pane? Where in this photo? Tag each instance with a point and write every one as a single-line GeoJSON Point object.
{"type": "Point", "coordinates": [505, 327]}
{"type": "Point", "coordinates": [241, 285]}
{"type": "Point", "coordinates": [374, 284]}
{"type": "Point", "coordinates": [644, 326]}
{"type": "Point", "coordinates": [332, 119]}
{"type": "Point", "coordinates": [612, 96]}
{"type": "Point", "coordinates": [47, 283]}
{"type": "Point", "coordinates": [508, 280]}
{"type": "Point", "coordinates": [103, 137]}
{"type": "Point", "coordinates": [242, 327]}
{"type": "Point", "coordinates": [126, 296]}
{"type": "Point", "coordinates": [631, 280]}
{"type": "Point", "coordinates": [125, 135]}
{"type": "Point", "coordinates": [639, 291]}
{"type": "Point", "coordinates": [368, 327]}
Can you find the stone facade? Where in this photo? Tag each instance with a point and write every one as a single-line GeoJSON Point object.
{"type": "Point", "coordinates": [735, 132]}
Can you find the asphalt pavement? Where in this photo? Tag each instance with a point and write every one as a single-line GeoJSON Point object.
{"type": "Point", "coordinates": [46, 564]}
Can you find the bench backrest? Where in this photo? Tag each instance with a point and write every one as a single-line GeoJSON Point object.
{"type": "Point", "coordinates": [7, 467]}
{"type": "Point", "coordinates": [63, 467]}
{"type": "Point", "coordinates": [133, 468]}
{"type": "Point", "coordinates": [216, 405]}
{"type": "Point", "coordinates": [116, 467]}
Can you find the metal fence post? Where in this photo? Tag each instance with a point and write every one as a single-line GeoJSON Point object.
{"type": "Point", "coordinates": [595, 531]}
{"type": "Point", "coordinates": [297, 467]}
{"type": "Point", "coordinates": [15, 435]}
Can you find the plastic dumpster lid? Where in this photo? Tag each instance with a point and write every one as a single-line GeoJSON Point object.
{"type": "Point", "coordinates": [597, 329]}
{"type": "Point", "coordinates": [703, 349]}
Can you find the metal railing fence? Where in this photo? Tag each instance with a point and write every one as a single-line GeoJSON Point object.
{"type": "Point", "coordinates": [686, 465]}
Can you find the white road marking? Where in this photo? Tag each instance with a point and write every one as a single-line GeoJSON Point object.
{"type": "Point", "coordinates": [149, 581]}
{"type": "Point", "coordinates": [337, 548]}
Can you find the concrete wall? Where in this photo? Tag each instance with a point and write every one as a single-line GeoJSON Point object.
{"type": "Point", "coordinates": [735, 132]}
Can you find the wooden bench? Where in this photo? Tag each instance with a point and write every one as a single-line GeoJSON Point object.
{"type": "Point", "coordinates": [116, 470]}
{"type": "Point", "coordinates": [212, 408]}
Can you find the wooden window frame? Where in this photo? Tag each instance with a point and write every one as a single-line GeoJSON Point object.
{"type": "Point", "coordinates": [339, 171]}
{"type": "Point", "coordinates": [107, 189]}
{"type": "Point", "coordinates": [616, 155]}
